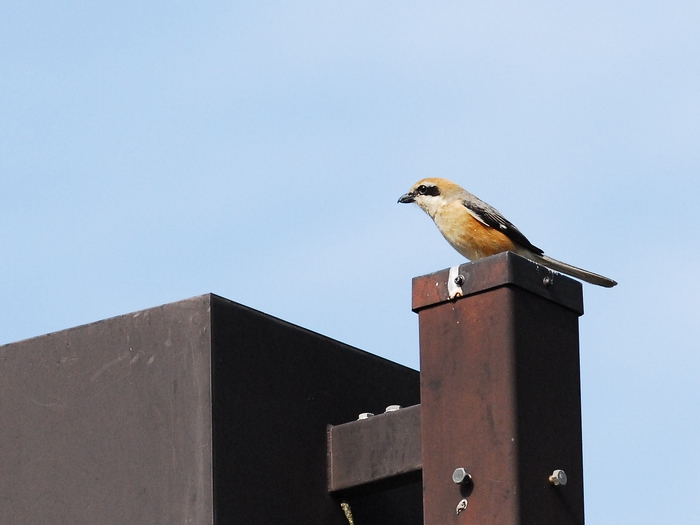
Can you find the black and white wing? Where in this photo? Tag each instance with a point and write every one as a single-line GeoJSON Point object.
{"type": "Point", "coordinates": [490, 216]}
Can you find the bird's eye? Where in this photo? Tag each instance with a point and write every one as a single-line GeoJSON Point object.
{"type": "Point", "coordinates": [430, 190]}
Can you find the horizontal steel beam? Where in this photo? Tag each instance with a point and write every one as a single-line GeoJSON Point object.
{"type": "Point", "coordinates": [376, 453]}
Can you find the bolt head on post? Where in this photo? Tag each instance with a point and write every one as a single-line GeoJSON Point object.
{"type": "Point", "coordinates": [558, 477]}
{"type": "Point", "coordinates": [461, 477]}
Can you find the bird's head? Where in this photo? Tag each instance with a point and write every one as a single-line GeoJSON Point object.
{"type": "Point", "coordinates": [430, 194]}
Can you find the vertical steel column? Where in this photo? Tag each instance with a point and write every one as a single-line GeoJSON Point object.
{"type": "Point", "coordinates": [500, 393]}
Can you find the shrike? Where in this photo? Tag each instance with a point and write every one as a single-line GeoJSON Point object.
{"type": "Point", "coordinates": [477, 230]}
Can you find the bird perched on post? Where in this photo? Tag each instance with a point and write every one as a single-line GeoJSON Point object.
{"type": "Point", "coordinates": [477, 230]}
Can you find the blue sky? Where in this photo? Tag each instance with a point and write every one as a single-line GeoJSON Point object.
{"type": "Point", "coordinates": [150, 152]}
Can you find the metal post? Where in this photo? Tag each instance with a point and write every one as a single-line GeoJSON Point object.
{"type": "Point", "coordinates": [500, 394]}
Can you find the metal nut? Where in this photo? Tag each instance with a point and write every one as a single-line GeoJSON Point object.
{"type": "Point", "coordinates": [558, 477]}
{"type": "Point", "coordinates": [393, 408]}
{"type": "Point", "coordinates": [365, 415]}
{"type": "Point", "coordinates": [461, 476]}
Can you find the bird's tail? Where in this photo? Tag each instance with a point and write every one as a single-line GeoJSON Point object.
{"type": "Point", "coordinates": [579, 273]}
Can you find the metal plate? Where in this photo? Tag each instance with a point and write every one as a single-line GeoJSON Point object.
{"type": "Point", "coordinates": [109, 423]}
{"type": "Point", "coordinates": [202, 411]}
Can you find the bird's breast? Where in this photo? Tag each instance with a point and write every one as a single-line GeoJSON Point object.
{"type": "Point", "coordinates": [470, 237]}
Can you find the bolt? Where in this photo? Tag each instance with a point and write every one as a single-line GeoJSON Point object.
{"type": "Point", "coordinates": [393, 408]}
{"type": "Point", "coordinates": [459, 280]}
{"type": "Point", "coordinates": [558, 477]}
{"type": "Point", "coordinates": [547, 281]}
{"type": "Point", "coordinates": [461, 476]}
{"type": "Point", "coordinates": [365, 415]}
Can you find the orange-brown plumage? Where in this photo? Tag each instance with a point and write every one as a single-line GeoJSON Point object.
{"type": "Point", "coordinates": [468, 236]}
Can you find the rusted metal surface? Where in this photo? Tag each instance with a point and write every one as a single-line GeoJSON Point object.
{"type": "Point", "coordinates": [377, 453]}
{"type": "Point", "coordinates": [500, 270]}
{"type": "Point", "coordinates": [500, 397]}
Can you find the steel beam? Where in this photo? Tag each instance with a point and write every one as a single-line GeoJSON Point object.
{"type": "Point", "coordinates": [377, 453]}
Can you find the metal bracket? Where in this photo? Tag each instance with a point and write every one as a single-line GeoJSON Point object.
{"type": "Point", "coordinates": [454, 283]}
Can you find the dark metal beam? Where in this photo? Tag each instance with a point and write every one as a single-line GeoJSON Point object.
{"type": "Point", "coordinates": [377, 453]}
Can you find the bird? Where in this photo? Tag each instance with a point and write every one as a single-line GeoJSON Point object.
{"type": "Point", "coordinates": [477, 230]}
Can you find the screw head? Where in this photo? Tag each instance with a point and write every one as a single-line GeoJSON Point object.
{"type": "Point", "coordinates": [461, 477]}
{"type": "Point", "coordinates": [548, 281]}
{"type": "Point", "coordinates": [558, 477]}
{"type": "Point", "coordinates": [459, 280]}
{"type": "Point", "coordinates": [365, 415]}
{"type": "Point", "coordinates": [392, 408]}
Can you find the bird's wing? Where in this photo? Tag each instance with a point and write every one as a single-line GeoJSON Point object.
{"type": "Point", "coordinates": [491, 217]}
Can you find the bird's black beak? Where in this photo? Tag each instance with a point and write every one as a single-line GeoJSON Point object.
{"type": "Point", "coordinates": [408, 198]}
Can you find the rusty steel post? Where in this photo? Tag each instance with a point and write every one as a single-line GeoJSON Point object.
{"type": "Point", "coordinates": [500, 394]}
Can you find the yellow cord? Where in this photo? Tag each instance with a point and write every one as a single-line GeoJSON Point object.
{"type": "Point", "coordinates": [348, 512]}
